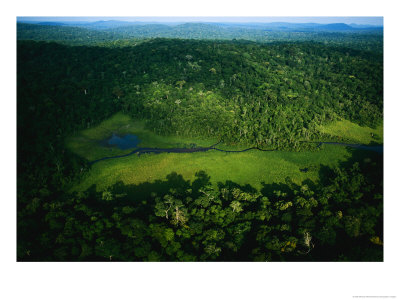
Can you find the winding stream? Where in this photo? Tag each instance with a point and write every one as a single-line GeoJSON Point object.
{"type": "Point", "coordinates": [140, 151]}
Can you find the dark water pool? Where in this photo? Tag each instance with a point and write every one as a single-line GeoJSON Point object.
{"type": "Point", "coordinates": [123, 142]}
{"type": "Point", "coordinates": [377, 148]}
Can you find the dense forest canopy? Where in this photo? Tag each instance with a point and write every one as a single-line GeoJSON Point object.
{"type": "Point", "coordinates": [240, 92]}
{"type": "Point", "coordinates": [267, 90]}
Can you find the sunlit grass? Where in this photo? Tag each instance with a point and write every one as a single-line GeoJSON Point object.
{"type": "Point", "coordinates": [253, 167]}
{"type": "Point", "coordinates": [353, 133]}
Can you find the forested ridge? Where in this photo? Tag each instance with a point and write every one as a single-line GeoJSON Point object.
{"type": "Point", "coordinates": [240, 92]}
{"type": "Point", "coordinates": [116, 34]}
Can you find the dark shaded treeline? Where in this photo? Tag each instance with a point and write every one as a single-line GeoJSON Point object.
{"type": "Point", "coordinates": [177, 220]}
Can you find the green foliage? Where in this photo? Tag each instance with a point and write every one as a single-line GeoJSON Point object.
{"type": "Point", "coordinates": [275, 96]}
{"type": "Point", "coordinates": [260, 99]}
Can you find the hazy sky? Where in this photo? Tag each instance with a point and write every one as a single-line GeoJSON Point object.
{"type": "Point", "coordinates": [323, 20]}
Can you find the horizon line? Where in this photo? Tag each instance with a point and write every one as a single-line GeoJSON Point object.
{"type": "Point", "coordinates": [372, 21]}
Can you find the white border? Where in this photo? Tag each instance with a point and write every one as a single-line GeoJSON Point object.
{"type": "Point", "coordinates": [197, 280]}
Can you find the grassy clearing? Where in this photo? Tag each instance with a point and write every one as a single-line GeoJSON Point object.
{"type": "Point", "coordinates": [253, 167]}
{"type": "Point", "coordinates": [353, 132]}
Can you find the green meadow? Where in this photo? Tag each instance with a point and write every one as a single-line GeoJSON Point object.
{"type": "Point", "coordinates": [252, 167]}
{"type": "Point", "coordinates": [352, 132]}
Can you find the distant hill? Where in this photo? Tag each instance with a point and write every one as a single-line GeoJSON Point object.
{"type": "Point", "coordinates": [65, 34]}
{"type": "Point", "coordinates": [125, 32]}
{"type": "Point", "coordinates": [100, 25]}
{"type": "Point", "coordinates": [336, 27]}
{"type": "Point", "coordinates": [284, 26]}
{"type": "Point", "coordinates": [51, 23]}
{"type": "Point", "coordinates": [252, 31]}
